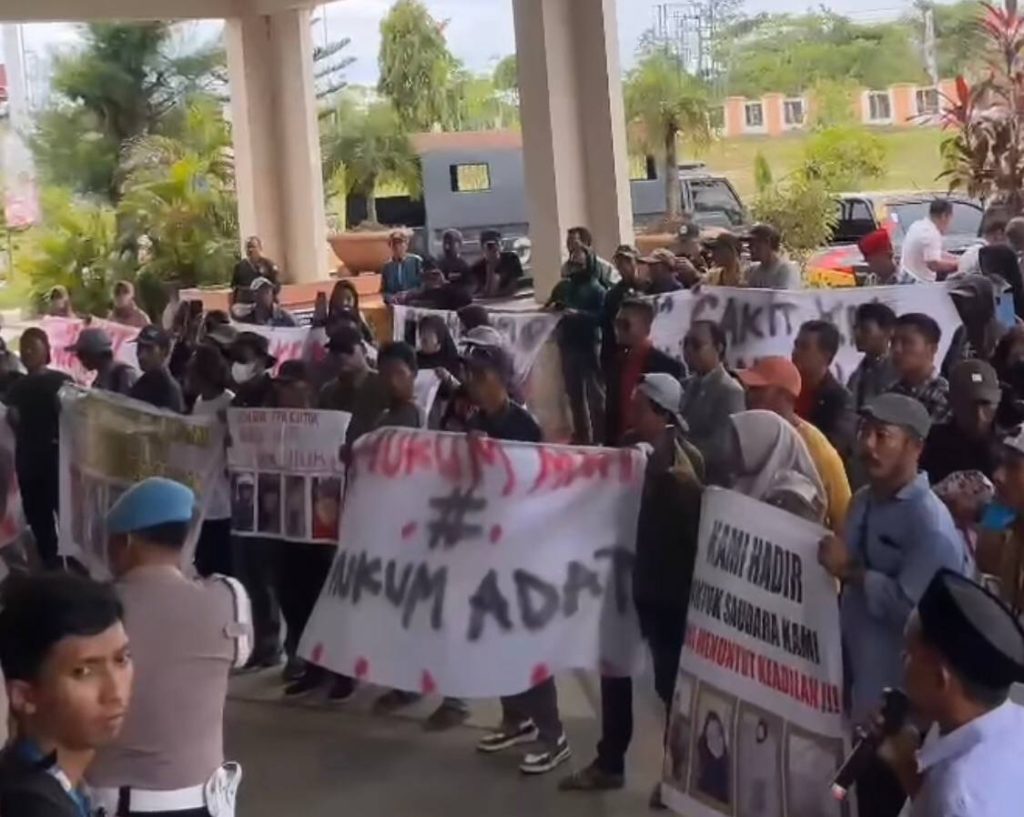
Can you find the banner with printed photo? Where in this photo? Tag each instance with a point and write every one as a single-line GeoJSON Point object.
{"type": "Point", "coordinates": [63, 332]}
{"type": "Point", "coordinates": [290, 342]}
{"type": "Point", "coordinates": [525, 333]}
{"type": "Point", "coordinates": [474, 567]}
{"type": "Point", "coordinates": [107, 444]}
{"type": "Point", "coordinates": [763, 322]}
{"type": "Point", "coordinates": [12, 515]}
{"type": "Point", "coordinates": [287, 475]}
{"type": "Point", "coordinates": [756, 723]}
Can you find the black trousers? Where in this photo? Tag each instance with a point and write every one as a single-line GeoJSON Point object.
{"type": "Point", "coordinates": [40, 493]}
{"type": "Point", "coordinates": [258, 560]}
{"type": "Point", "coordinates": [302, 571]}
{"type": "Point", "coordinates": [584, 386]}
{"type": "Point", "coordinates": [539, 704]}
{"type": "Point", "coordinates": [214, 549]}
{"type": "Point", "coordinates": [664, 632]}
{"type": "Point", "coordinates": [879, 793]}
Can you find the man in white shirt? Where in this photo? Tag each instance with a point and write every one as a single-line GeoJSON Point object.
{"type": "Point", "coordinates": [993, 232]}
{"type": "Point", "coordinates": [964, 650]}
{"type": "Point", "coordinates": [923, 255]}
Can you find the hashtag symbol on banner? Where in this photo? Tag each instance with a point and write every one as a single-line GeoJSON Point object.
{"type": "Point", "coordinates": [450, 527]}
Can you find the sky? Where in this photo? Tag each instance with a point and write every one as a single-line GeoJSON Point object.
{"type": "Point", "coordinates": [480, 31]}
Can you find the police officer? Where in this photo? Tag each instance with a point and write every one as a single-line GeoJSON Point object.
{"type": "Point", "coordinates": [964, 650]}
{"type": "Point", "coordinates": [186, 636]}
{"type": "Point", "coordinates": [64, 654]}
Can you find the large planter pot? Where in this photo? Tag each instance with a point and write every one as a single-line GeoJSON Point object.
{"type": "Point", "coordinates": [362, 251]}
{"type": "Point", "coordinates": [655, 241]}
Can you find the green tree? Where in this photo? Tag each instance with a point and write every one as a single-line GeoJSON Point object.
{"type": "Point", "coordinates": [416, 67]}
{"type": "Point", "coordinates": [960, 39]}
{"type": "Point", "coordinates": [506, 74]}
{"type": "Point", "coordinates": [844, 157]}
{"type": "Point", "coordinates": [329, 66]}
{"type": "Point", "coordinates": [365, 147]}
{"type": "Point", "coordinates": [669, 106]}
{"type": "Point", "coordinates": [804, 211]}
{"type": "Point", "coordinates": [833, 103]}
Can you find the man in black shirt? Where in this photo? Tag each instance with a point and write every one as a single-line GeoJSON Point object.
{"type": "Point", "coordinates": [251, 365]}
{"type": "Point", "coordinates": [156, 386]}
{"type": "Point", "coordinates": [436, 292]}
{"type": "Point", "coordinates": [968, 441]}
{"type": "Point", "coordinates": [452, 264]}
{"type": "Point", "coordinates": [254, 265]}
{"type": "Point", "coordinates": [33, 411]}
{"type": "Point", "coordinates": [626, 260]}
{"type": "Point", "coordinates": [64, 654]}
{"type": "Point", "coordinates": [498, 272]}
{"type": "Point", "coordinates": [95, 352]}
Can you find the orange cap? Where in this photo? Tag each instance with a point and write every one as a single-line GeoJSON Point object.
{"type": "Point", "coordinates": [772, 371]}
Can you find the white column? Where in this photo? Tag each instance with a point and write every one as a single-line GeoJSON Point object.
{"type": "Point", "coordinates": [574, 131]}
{"type": "Point", "coordinates": [276, 140]}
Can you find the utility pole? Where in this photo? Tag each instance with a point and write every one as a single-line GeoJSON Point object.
{"type": "Point", "coordinates": [929, 44]}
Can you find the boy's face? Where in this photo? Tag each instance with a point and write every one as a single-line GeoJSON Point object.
{"type": "Point", "coordinates": [81, 693]}
{"type": "Point", "coordinates": [399, 379]}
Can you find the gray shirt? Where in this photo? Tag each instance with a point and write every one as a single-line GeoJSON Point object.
{"type": "Point", "coordinates": [901, 542]}
{"type": "Point", "coordinates": [708, 402]}
{"type": "Point", "coordinates": [783, 274]}
{"type": "Point", "coordinates": [180, 632]}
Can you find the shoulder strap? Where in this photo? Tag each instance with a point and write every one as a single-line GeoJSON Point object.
{"type": "Point", "coordinates": [240, 630]}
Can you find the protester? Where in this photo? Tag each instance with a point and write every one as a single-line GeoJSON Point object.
{"type": "Point", "coordinates": [265, 309]}
{"type": "Point", "coordinates": [33, 412]}
{"type": "Point", "coordinates": [726, 262]}
{"type": "Point", "coordinates": [125, 310]}
{"type": "Point", "coordinates": [879, 256]}
{"type": "Point", "coordinates": [579, 298]}
{"type": "Point", "coordinates": [635, 357]}
{"type": "Point", "coordinates": [923, 255]}
{"type": "Point", "coordinates": [964, 650]}
{"type": "Point", "coordinates": [404, 271]}
{"type": "Point", "coordinates": [451, 263]}
{"type": "Point", "coordinates": [59, 303]}
{"type": "Point", "coordinates": [666, 546]}
{"type": "Point", "coordinates": [974, 297]}
{"type": "Point", "coordinates": [709, 395]}
{"type": "Point", "coordinates": [95, 352]}
{"type": "Point", "coordinates": [436, 292]}
{"type": "Point", "coordinates": [968, 440]}
{"type": "Point", "coordinates": [343, 305]}
{"type": "Point", "coordinates": [999, 550]}
{"type": "Point", "coordinates": [626, 260]}
{"type": "Point", "coordinates": [250, 370]}
{"type": "Point", "coordinates": [688, 247]}
{"type": "Point", "coordinates": [993, 233]}
{"type": "Point", "coordinates": [498, 273]}
{"type": "Point", "coordinates": [156, 386]}
{"type": "Point", "coordinates": [358, 389]}
{"type": "Point", "coordinates": [580, 238]}
{"type": "Point", "coordinates": [661, 272]}
{"type": "Point", "coordinates": [396, 363]}
{"type": "Point", "coordinates": [185, 636]}
{"type": "Point", "coordinates": [914, 346]}
{"type": "Point", "coordinates": [68, 674]}
{"type": "Point", "coordinates": [771, 269]}
{"type": "Point", "coordinates": [873, 327]}
{"type": "Point", "coordinates": [437, 352]}
{"type": "Point", "coordinates": [1001, 264]}
{"type": "Point", "coordinates": [1008, 362]}
{"type": "Point", "coordinates": [823, 400]}
{"type": "Point", "coordinates": [472, 317]}
{"type": "Point", "coordinates": [254, 265]}
{"type": "Point", "coordinates": [898, 534]}
{"type": "Point", "coordinates": [773, 384]}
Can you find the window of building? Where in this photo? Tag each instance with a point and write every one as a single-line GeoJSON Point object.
{"type": "Point", "coordinates": [475, 178]}
{"type": "Point", "coordinates": [927, 100]}
{"type": "Point", "coordinates": [754, 114]}
{"type": "Point", "coordinates": [879, 106]}
{"type": "Point", "coordinates": [642, 168]}
{"type": "Point", "coordinates": [793, 112]}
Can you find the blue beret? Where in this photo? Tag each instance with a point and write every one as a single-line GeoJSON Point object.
{"type": "Point", "coordinates": [154, 501]}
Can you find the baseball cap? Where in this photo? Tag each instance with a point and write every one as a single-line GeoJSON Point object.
{"type": "Point", "coordinates": [483, 336]}
{"type": "Point", "coordinates": [490, 237]}
{"type": "Point", "coordinates": [293, 371]}
{"type": "Point", "coordinates": [223, 334]}
{"type": "Point", "coordinates": [772, 371]}
{"type": "Point", "coordinates": [154, 501]}
{"type": "Point", "coordinates": [875, 243]}
{"type": "Point", "coordinates": [261, 282]}
{"type": "Point", "coordinates": [627, 251]}
{"type": "Point", "coordinates": [661, 256]}
{"type": "Point", "coordinates": [153, 335]}
{"type": "Point", "coordinates": [976, 379]}
{"type": "Point", "coordinates": [899, 410]}
{"type": "Point", "coordinates": [345, 339]}
{"type": "Point", "coordinates": [664, 390]}
{"type": "Point", "coordinates": [92, 341]}
{"type": "Point", "coordinates": [256, 342]}
{"type": "Point", "coordinates": [493, 358]}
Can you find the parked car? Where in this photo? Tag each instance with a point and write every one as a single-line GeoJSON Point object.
{"type": "Point", "coordinates": [863, 213]}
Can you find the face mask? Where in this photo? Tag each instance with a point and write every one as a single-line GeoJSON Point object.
{"type": "Point", "coordinates": [243, 372]}
{"type": "Point", "coordinates": [997, 517]}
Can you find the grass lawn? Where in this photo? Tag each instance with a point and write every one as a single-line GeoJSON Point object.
{"type": "Point", "coordinates": [913, 159]}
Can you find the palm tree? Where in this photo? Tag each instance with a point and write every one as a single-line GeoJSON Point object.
{"type": "Point", "coordinates": [368, 146]}
{"type": "Point", "coordinates": [667, 104]}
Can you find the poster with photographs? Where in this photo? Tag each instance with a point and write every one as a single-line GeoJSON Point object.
{"type": "Point", "coordinates": [107, 444]}
{"type": "Point", "coordinates": [287, 475]}
{"type": "Point", "coordinates": [756, 727]}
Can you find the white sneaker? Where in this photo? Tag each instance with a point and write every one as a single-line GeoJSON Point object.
{"type": "Point", "coordinates": [543, 762]}
{"type": "Point", "coordinates": [506, 736]}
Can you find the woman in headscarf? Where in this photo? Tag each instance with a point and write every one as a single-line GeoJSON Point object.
{"type": "Point", "coordinates": [713, 760]}
{"type": "Point", "coordinates": [344, 305]}
{"type": "Point", "coordinates": [769, 462]}
{"type": "Point", "coordinates": [435, 347]}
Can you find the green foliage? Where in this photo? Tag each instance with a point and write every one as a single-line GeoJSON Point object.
{"type": "Point", "coordinates": [474, 104]}
{"type": "Point", "coordinates": [762, 173]}
{"type": "Point", "coordinates": [832, 103]}
{"type": "Point", "coordinates": [506, 74]}
{"type": "Point", "coordinates": [329, 66]}
{"type": "Point", "coordinates": [416, 67]}
{"type": "Point", "coordinates": [804, 210]}
{"type": "Point", "coordinates": [959, 37]}
{"type": "Point", "coordinates": [844, 157]}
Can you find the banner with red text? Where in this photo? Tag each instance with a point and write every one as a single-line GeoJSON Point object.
{"type": "Point", "coordinates": [756, 724]}
{"type": "Point", "coordinates": [290, 342]}
{"type": "Point", "coordinates": [287, 475]}
{"type": "Point", "coordinates": [474, 567]}
{"type": "Point", "coordinates": [63, 332]}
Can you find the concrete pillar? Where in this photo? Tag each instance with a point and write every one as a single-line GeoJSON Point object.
{"type": "Point", "coordinates": [276, 140]}
{"type": "Point", "coordinates": [574, 130]}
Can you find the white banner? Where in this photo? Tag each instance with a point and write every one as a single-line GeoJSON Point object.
{"type": "Point", "coordinates": [756, 725]}
{"type": "Point", "coordinates": [107, 444]}
{"type": "Point", "coordinates": [525, 333]}
{"type": "Point", "coordinates": [763, 322]}
{"type": "Point", "coordinates": [63, 332]}
{"type": "Point", "coordinates": [287, 475]}
{"type": "Point", "coordinates": [290, 342]}
{"type": "Point", "coordinates": [474, 567]}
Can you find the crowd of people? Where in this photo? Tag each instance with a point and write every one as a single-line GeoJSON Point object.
{"type": "Point", "coordinates": [915, 466]}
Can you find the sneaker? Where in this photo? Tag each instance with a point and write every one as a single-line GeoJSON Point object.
{"type": "Point", "coordinates": [446, 716]}
{"type": "Point", "coordinates": [506, 736]}
{"type": "Point", "coordinates": [341, 689]}
{"type": "Point", "coordinates": [544, 762]}
{"type": "Point", "coordinates": [293, 670]}
{"type": "Point", "coordinates": [309, 682]}
{"type": "Point", "coordinates": [656, 803]}
{"type": "Point", "coordinates": [592, 778]}
{"type": "Point", "coordinates": [394, 700]}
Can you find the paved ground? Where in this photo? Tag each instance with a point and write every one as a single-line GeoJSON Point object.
{"type": "Point", "coordinates": [311, 760]}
